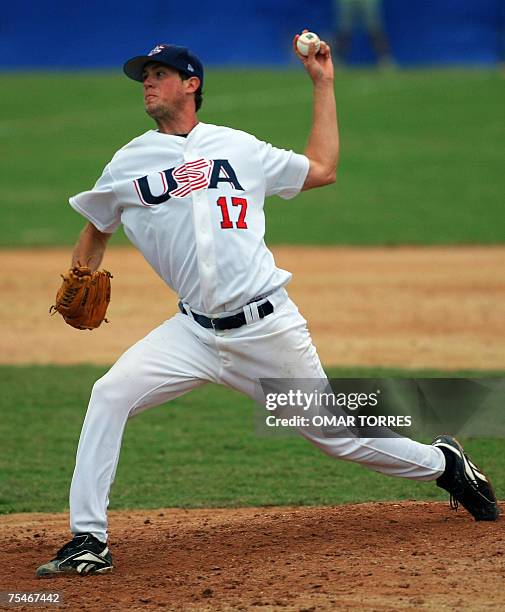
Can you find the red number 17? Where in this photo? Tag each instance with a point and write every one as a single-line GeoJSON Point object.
{"type": "Point", "coordinates": [227, 223]}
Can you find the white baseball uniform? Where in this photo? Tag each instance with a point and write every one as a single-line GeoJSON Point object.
{"type": "Point", "coordinates": [194, 207]}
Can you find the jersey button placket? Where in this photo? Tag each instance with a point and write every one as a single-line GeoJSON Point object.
{"type": "Point", "coordinates": [205, 248]}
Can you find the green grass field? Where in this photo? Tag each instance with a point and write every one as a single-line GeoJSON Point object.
{"type": "Point", "coordinates": [200, 450]}
{"type": "Point", "coordinates": [421, 163]}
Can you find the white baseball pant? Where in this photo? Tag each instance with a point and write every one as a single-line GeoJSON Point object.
{"type": "Point", "coordinates": [179, 356]}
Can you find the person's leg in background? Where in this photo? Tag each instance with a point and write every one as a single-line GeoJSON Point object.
{"type": "Point", "coordinates": [345, 16]}
{"type": "Point", "coordinates": [374, 23]}
{"type": "Point", "coordinates": [501, 39]}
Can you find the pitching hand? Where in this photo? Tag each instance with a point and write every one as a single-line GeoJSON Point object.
{"type": "Point", "coordinates": [319, 66]}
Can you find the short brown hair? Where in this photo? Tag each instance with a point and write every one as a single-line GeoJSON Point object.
{"type": "Point", "coordinates": [198, 92]}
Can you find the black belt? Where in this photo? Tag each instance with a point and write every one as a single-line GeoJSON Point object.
{"type": "Point", "coordinates": [232, 322]}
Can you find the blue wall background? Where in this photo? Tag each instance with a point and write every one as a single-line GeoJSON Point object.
{"type": "Point", "coordinates": [63, 34]}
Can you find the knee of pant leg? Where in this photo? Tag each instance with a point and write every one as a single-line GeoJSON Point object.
{"type": "Point", "coordinates": [117, 394]}
{"type": "Point", "coordinates": [108, 392]}
{"type": "Point", "coordinates": [107, 413]}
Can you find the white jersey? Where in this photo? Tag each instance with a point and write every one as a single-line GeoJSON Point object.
{"type": "Point", "coordinates": [194, 207]}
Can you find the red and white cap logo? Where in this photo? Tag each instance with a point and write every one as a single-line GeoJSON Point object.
{"type": "Point", "coordinates": [157, 49]}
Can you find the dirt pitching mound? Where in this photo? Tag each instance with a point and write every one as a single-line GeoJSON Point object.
{"type": "Point", "coordinates": [382, 556]}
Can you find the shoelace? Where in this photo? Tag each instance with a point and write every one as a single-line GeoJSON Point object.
{"type": "Point", "coordinates": [454, 503]}
{"type": "Point", "coordinates": [68, 546]}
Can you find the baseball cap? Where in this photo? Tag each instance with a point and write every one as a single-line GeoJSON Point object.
{"type": "Point", "coordinates": [174, 56]}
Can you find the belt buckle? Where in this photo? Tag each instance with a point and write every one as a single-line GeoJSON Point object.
{"type": "Point", "coordinates": [213, 325]}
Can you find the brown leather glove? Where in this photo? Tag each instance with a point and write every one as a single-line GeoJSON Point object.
{"type": "Point", "coordinates": [83, 297]}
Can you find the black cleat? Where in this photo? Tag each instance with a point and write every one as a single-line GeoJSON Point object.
{"type": "Point", "coordinates": [465, 482]}
{"type": "Point", "coordinates": [82, 555]}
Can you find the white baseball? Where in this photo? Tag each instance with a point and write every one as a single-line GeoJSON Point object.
{"type": "Point", "coordinates": [304, 40]}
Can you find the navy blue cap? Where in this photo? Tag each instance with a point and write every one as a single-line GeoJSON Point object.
{"type": "Point", "coordinates": [174, 56]}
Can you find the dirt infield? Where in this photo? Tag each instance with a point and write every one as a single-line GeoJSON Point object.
{"type": "Point", "coordinates": [400, 556]}
{"type": "Point", "coordinates": [408, 307]}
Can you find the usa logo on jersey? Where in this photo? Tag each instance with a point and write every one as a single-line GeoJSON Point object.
{"type": "Point", "coordinates": [191, 176]}
{"type": "Point", "coordinates": [179, 182]}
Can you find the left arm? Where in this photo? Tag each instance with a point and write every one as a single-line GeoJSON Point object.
{"type": "Point", "coordinates": [322, 147]}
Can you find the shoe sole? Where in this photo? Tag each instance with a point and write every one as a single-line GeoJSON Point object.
{"type": "Point", "coordinates": [50, 574]}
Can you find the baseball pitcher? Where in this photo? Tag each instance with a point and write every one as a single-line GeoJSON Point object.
{"type": "Point", "coordinates": [190, 197]}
